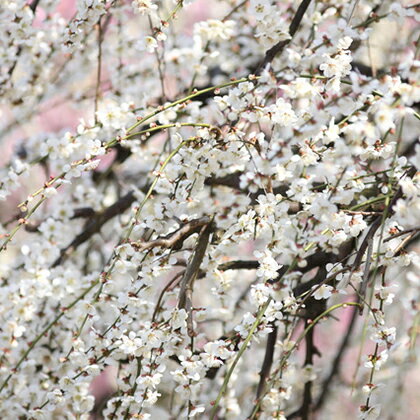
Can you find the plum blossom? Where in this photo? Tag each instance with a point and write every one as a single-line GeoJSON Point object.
{"type": "Point", "coordinates": [268, 265]}
{"type": "Point", "coordinates": [144, 7]}
{"type": "Point", "coordinates": [323, 292]}
{"type": "Point", "coordinates": [183, 190]}
{"type": "Point", "coordinates": [335, 67]}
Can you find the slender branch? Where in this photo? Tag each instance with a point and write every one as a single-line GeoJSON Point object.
{"type": "Point", "coordinates": [403, 232]}
{"type": "Point", "coordinates": [164, 290]}
{"type": "Point", "coordinates": [367, 267]}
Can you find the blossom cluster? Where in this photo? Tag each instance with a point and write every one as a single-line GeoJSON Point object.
{"type": "Point", "coordinates": [229, 182]}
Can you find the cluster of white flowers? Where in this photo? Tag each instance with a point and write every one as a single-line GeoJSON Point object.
{"type": "Point", "coordinates": [190, 197]}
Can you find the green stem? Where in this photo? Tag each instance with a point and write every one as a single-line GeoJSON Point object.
{"type": "Point", "coordinates": [368, 202]}
{"type": "Point", "coordinates": [238, 356]}
{"type": "Point", "coordinates": [19, 225]}
{"type": "Point", "coordinates": [182, 100]}
{"type": "Point", "coordinates": [156, 128]}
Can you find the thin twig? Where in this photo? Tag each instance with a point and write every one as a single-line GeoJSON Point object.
{"type": "Point", "coordinates": [164, 290]}
{"type": "Point", "coordinates": [403, 232]}
{"type": "Point", "coordinates": [98, 71]}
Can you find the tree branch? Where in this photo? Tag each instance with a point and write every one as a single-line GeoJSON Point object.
{"type": "Point", "coordinates": [294, 26]}
{"type": "Point", "coordinates": [95, 224]}
{"type": "Point", "coordinates": [268, 359]}
{"type": "Point", "coordinates": [174, 240]}
{"type": "Point", "coordinates": [187, 282]}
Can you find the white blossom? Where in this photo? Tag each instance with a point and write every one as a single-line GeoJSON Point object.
{"type": "Point", "coordinates": [323, 292]}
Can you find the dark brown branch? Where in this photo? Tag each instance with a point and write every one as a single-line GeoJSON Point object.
{"type": "Point", "coordinates": [294, 26]}
{"type": "Point", "coordinates": [83, 212]}
{"type": "Point", "coordinates": [305, 410]}
{"type": "Point", "coordinates": [313, 309]}
{"type": "Point", "coordinates": [406, 242]}
{"type": "Point", "coordinates": [34, 5]}
{"type": "Point", "coordinates": [268, 359]}
{"type": "Point", "coordinates": [307, 391]}
{"type": "Point", "coordinates": [97, 220]}
{"type": "Point", "coordinates": [232, 180]}
{"type": "Point", "coordinates": [239, 265]}
{"type": "Point", "coordinates": [411, 147]}
{"type": "Point", "coordinates": [364, 246]}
